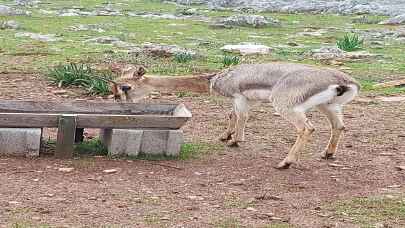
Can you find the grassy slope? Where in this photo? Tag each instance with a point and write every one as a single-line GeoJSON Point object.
{"type": "Point", "coordinates": [186, 33]}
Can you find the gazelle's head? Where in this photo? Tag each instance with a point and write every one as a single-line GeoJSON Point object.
{"type": "Point", "coordinates": [128, 86]}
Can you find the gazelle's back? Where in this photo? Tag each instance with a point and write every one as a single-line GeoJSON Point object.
{"type": "Point", "coordinates": [265, 81]}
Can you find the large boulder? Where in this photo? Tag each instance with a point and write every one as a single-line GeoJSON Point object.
{"type": "Point", "coordinates": [8, 11]}
{"type": "Point", "coordinates": [247, 49]}
{"type": "Point", "coordinates": [398, 20]}
{"type": "Point", "coordinates": [9, 25]}
{"type": "Point", "coordinates": [255, 21]}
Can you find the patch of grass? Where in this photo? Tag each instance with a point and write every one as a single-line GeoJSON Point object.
{"type": "Point", "coordinates": [82, 75]}
{"type": "Point", "coordinates": [230, 60]}
{"type": "Point", "coordinates": [93, 147]}
{"type": "Point", "coordinates": [350, 42]}
{"type": "Point", "coordinates": [185, 94]}
{"type": "Point", "coordinates": [196, 150]}
{"type": "Point", "coordinates": [188, 151]}
{"type": "Point", "coordinates": [152, 219]}
{"type": "Point", "coordinates": [367, 19]}
{"type": "Point", "coordinates": [227, 223]}
{"type": "Point", "coordinates": [183, 57]}
{"type": "Point", "coordinates": [368, 211]}
{"type": "Point", "coordinates": [233, 201]}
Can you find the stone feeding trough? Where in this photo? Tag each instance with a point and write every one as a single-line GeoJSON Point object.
{"type": "Point", "coordinates": [126, 128]}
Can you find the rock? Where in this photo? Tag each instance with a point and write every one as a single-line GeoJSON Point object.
{"type": "Point", "coordinates": [40, 37]}
{"type": "Point", "coordinates": [59, 92]}
{"type": "Point", "coordinates": [359, 55]}
{"type": "Point", "coordinates": [89, 27]}
{"type": "Point", "coordinates": [255, 21]}
{"type": "Point", "coordinates": [162, 50]}
{"type": "Point", "coordinates": [316, 33]}
{"type": "Point", "coordinates": [9, 25]}
{"type": "Point", "coordinates": [65, 170]}
{"type": "Point", "coordinates": [327, 53]}
{"type": "Point", "coordinates": [26, 2]}
{"type": "Point", "coordinates": [334, 53]}
{"type": "Point", "coordinates": [110, 171]}
{"type": "Point", "coordinates": [153, 15]}
{"type": "Point", "coordinates": [391, 7]}
{"type": "Point", "coordinates": [8, 11]}
{"type": "Point", "coordinates": [73, 13]}
{"type": "Point", "coordinates": [107, 11]}
{"type": "Point", "coordinates": [251, 209]}
{"type": "Point", "coordinates": [398, 20]}
{"type": "Point", "coordinates": [247, 49]}
{"type": "Point", "coordinates": [103, 40]}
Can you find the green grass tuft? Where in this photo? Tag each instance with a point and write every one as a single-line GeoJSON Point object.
{"type": "Point", "coordinates": [230, 60]}
{"type": "Point", "coordinates": [93, 147]}
{"type": "Point", "coordinates": [183, 57]}
{"type": "Point", "coordinates": [368, 211]}
{"type": "Point", "coordinates": [350, 42]}
{"type": "Point", "coordinates": [81, 75]}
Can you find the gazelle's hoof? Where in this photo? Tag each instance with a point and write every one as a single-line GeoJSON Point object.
{"type": "Point", "coordinates": [232, 143]}
{"type": "Point", "coordinates": [283, 165]}
{"type": "Point", "coordinates": [328, 156]}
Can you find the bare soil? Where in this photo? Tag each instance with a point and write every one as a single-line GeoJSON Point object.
{"type": "Point", "coordinates": [229, 187]}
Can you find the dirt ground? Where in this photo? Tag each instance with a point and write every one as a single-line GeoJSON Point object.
{"type": "Point", "coordinates": [230, 187]}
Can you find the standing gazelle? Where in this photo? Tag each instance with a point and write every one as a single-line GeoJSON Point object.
{"type": "Point", "coordinates": [293, 89]}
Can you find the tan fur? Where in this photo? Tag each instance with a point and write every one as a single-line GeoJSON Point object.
{"type": "Point", "coordinates": [195, 84]}
{"type": "Point", "coordinates": [293, 89]}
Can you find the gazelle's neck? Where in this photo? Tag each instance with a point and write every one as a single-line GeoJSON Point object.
{"type": "Point", "coordinates": [197, 84]}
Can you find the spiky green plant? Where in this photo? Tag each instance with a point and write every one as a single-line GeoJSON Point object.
{"type": "Point", "coordinates": [183, 57]}
{"type": "Point", "coordinates": [350, 42]}
{"type": "Point", "coordinates": [80, 75]}
{"type": "Point", "coordinates": [230, 60]}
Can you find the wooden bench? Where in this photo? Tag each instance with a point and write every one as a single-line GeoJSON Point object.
{"type": "Point", "coordinates": [69, 116]}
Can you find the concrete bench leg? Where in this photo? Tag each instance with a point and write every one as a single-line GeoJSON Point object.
{"type": "Point", "coordinates": [20, 141]}
{"type": "Point", "coordinates": [133, 142]}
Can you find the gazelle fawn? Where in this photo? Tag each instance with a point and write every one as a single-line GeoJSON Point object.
{"type": "Point", "coordinates": [293, 89]}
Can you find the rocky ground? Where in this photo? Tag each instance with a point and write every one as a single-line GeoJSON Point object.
{"type": "Point", "coordinates": [215, 186]}
{"type": "Point", "coordinates": [385, 7]}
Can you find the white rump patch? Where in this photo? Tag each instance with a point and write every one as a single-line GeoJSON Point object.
{"type": "Point", "coordinates": [348, 96]}
{"type": "Point", "coordinates": [328, 96]}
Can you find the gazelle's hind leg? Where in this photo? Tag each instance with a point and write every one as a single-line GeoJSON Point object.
{"type": "Point", "coordinates": [304, 131]}
{"type": "Point", "coordinates": [241, 108]}
{"type": "Point", "coordinates": [334, 114]}
{"type": "Point", "coordinates": [227, 135]}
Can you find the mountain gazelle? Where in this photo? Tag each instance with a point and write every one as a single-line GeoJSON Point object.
{"type": "Point", "coordinates": [293, 89]}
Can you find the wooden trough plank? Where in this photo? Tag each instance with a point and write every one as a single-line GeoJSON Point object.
{"type": "Point", "coordinates": [66, 136]}
{"type": "Point", "coordinates": [130, 121]}
{"type": "Point", "coordinates": [28, 120]}
{"type": "Point", "coordinates": [93, 121]}
{"type": "Point", "coordinates": [7, 106]}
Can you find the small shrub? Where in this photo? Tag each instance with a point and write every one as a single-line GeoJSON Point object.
{"type": "Point", "coordinates": [91, 147]}
{"type": "Point", "coordinates": [350, 42]}
{"type": "Point", "coordinates": [183, 57]}
{"type": "Point", "coordinates": [230, 60]}
{"type": "Point", "coordinates": [81, 75]}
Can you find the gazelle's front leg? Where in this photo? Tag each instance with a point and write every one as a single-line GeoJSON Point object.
{"type": "Point", "coordinates": [241, 109]}
{"type": "Point", "coordinates": [227, 135]}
